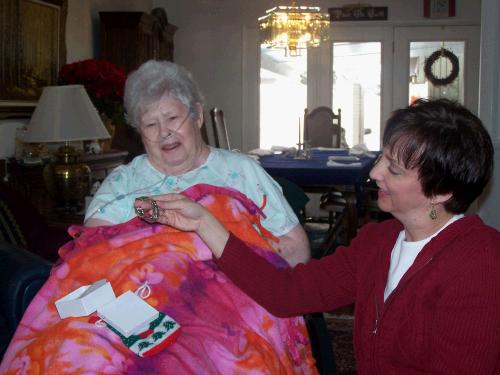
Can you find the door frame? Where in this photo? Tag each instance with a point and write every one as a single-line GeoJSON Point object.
{"type": "Point", "coordinates": [403, 35]}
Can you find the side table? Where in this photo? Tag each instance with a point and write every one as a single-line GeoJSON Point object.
{"type": "Point", "coordinates": [28, 180]}
{"type": "Point", "coordinates": [62, 219]}
{"type": "Point", "coordinates": [102, 164]}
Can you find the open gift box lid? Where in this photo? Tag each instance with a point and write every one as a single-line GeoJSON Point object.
{"type": "Point", "coordinates": [86, 299]}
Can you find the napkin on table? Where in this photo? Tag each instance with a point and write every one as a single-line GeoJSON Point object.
{"type": "Point", "coordinates": [344, 158]}
{"type": "Point", "coordinates": [361, 150]}
{"type": "Point", "coordinates": [260, 152]}
{"type": "Point", "coordinates": [333, 163]}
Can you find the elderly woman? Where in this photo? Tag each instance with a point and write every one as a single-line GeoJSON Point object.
{"type": "Point", "coordinates": [426, 284]}
{"type": "Point", "coordinates": [220, 329]}
{"type": "Point", "coordinates": [165, 105]}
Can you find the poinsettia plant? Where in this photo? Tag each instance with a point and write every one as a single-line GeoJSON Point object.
{"type": "Point", "coordinates": [104, 82]}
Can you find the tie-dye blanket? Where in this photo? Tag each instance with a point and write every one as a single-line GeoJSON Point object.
{"type": "Point", "coordinates": [223, 331]}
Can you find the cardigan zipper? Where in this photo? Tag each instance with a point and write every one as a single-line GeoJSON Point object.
{"type": "Point", "coordinates": [375, 328]}
{"type": "Point", "coordinates": [377, 312]}
{"type": "Point", "coordinates": [377, 316]}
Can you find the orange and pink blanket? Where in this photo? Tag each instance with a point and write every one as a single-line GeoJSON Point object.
{"type": "Point", "coordinates": [223, 331]}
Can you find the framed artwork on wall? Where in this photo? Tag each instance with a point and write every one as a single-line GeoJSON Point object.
{"type": "Point", "coordinates": [439, 8]}
{"type": "Point", "coordinates": [32, 49]}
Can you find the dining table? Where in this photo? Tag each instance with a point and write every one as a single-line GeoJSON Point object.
{"type": "Point", "coordinates": [322, 170]}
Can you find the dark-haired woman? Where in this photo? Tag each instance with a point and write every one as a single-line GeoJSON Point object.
{"type": "Point", "coordinates": [426, 284]}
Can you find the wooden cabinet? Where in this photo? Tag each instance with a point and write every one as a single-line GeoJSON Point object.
{"type": "Point", "coordinates": [130, 38]}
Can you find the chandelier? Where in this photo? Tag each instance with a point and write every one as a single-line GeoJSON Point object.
{"type": "Point", "coordinates": [293, 28]}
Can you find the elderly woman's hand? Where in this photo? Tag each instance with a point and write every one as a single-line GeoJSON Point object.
{"type": "Point", "coordinates": [184, 214]}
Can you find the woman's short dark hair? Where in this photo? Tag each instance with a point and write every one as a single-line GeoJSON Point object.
{"type": "Point", "coordinates": [448, 144]}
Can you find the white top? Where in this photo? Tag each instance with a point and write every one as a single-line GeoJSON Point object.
{"type": "Point", "coordinates": [403, 255]}
{"type": "Point", "coordinates": [115, 197]}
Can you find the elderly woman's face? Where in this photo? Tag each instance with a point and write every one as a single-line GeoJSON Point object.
{"type": "Point", "coordinates": [171, 136]}
{"type": "Point", "coordinates": [400, 190]}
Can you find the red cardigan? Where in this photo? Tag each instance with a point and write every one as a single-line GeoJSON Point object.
{"type": "Point", "coordinates": [443, 317]}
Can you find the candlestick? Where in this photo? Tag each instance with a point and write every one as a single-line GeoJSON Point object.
{"type": "Point", "coordinates": [300, 133]}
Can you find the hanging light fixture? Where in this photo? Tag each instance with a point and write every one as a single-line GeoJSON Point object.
{"type": "Point", "coordinates": [293, 28]}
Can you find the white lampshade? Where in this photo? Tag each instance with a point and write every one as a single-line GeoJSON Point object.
{"type": "Point", "coordinates": [64, 114]}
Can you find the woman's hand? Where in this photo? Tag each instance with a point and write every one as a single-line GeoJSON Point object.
{"type": "Point", "coordinates": [184, 214]}
{"type": "Point", "coordinates": [175, 210]}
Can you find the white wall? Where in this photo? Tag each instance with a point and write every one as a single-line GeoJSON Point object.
{"type": "Point", "coordinates": [210, 43]}
{"type": "Point", "coordinates": [82, 24]}
{"type": "Point", "coordinates": [489, 102]}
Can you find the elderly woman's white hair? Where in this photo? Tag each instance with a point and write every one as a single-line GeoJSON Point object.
{"type": "Point", "coordinates": [154, 79]}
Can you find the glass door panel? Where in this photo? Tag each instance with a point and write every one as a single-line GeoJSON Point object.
{"type": "Point", "coordinates": [283, 97]}
{"type": "Point", "coordinates": [441, 70]}
{"type": "Point", "coordinates": [357, 68]}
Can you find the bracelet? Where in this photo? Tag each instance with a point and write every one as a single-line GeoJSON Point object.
{"type": "Point", "coordinates": [154, 208]}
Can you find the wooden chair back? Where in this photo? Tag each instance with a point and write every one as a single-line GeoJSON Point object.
{"type": "Point", "coordinates": [219, 128]}
{"type": "Point", "coordinates": [322, 127]}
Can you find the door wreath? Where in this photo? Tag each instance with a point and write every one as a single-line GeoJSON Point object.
{"type": "Point", "coordinates": [435, 56]}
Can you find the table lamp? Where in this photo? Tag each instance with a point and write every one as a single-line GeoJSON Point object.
{"type": "Point", "coordinates": [66, 114]}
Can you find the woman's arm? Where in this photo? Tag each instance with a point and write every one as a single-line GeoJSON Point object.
{"type": "Point", "coordinates": [316, 286]}
{"type": "Point", "coordinates": [96, 222]}
{"type": "Point", "coordinates": [184, 214]}
{"type": "Point", "coordinates": [294, 246]}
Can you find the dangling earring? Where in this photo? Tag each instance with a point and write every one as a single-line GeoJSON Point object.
{"type": "Point", "coordinates": [433, 214]}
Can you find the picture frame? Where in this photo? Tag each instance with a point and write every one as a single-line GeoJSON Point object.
{"type": "Point", "coordinates": [33, 46]}
{"type": "Point", "coordinates": [439, 8]}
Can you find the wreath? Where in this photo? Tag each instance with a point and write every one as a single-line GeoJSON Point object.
{"type": "Point", "coordinates": [429, 62]}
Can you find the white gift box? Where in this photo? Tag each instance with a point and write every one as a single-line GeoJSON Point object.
{"type": "Point", "coordinates": [128, 314]}
{"type": "Point", "coordinates": [85, 300]}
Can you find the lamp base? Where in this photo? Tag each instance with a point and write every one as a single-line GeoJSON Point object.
{"type": "Point", "coordinates": [67, 180]}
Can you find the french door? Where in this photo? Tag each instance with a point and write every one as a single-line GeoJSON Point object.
{"type": "Point", "coordinates": [367, 72]}
{"type": "Point", "coordinates": [375, 70]}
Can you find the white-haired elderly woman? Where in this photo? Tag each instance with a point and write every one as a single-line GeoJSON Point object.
{"type": "Point", "coordinates": [165, 105]}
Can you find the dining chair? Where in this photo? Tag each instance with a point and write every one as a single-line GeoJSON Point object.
{"type": "Point", "coordinates": [340, 203]}
{"type": "Point", "coordinates": [322, 127]}
{"type": "Point", "coordinates": [220, 130]}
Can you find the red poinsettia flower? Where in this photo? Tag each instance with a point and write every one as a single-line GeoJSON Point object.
{"type": "Point", "coordinates": [104, 82]}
